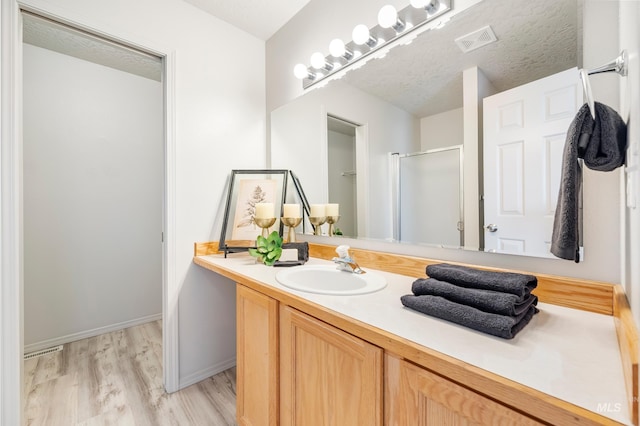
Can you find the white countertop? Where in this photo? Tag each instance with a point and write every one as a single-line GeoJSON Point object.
{"type": "Point", "coordinates": [567, 353]}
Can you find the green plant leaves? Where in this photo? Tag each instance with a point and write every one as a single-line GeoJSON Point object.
{"type": "Point", "coordinates": [268, 250]}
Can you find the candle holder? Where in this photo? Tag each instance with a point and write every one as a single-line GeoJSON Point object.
{"type": "Point", "coordinates": [265, 224]}
{"type": "Point", "coordinates": [291, 222]}
{"type": "Point", "coordinates": [331, 220]}
{"type": "Point", "coordinates": [317, 222]}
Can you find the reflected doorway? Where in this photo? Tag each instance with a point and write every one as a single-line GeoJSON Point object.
{"type": "Point", "coordinates": [342, 173]}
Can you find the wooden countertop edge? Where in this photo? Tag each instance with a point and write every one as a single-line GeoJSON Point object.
{"type": "Point", "coordinates": [587, 295]}
{"type": "Point", "coordinates": [515, 395]}
{"type": "Point", "coordinates": [628, 343]}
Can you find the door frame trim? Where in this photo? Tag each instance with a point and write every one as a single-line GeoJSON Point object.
{"type": "Point", "coordinates": [362, 169]}
{"type": "Point", "coordinates": [11, 214]}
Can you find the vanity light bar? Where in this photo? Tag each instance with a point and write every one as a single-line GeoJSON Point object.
{"type": "Point", "coordinates": [366, 41]}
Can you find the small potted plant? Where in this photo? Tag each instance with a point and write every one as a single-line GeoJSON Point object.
{"type": "Point", "coordinates": [268, 250]}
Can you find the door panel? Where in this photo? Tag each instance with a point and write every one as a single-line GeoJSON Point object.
{"type": "Point", "coordinates": [524, 128]}
{"type": "Point", "coordinates": [415, 396]}
{"type": "Point", "coordinates": [327, 376]}
{"type": "Point", "coordinates": [257, 361]}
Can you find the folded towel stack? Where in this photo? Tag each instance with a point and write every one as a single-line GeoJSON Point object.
{"type": "Point", "coordinates": [497, 303]}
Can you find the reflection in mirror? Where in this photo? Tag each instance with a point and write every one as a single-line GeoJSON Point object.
{"type": "Point", "coordinates": [429, 197]}
{"type": "Point", "coordinates": [430, 95]}
{"type": "Point", "coordinates": [341, 158]}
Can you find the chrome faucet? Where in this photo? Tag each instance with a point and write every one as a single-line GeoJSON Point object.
{"type": "Point", "coordinates": [346, 262]}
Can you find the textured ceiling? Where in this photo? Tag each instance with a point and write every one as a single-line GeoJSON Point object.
{"type": "Point", "coordinates": [261, 18]}
{"type": "Point", "coordinates": [535, 39]}
{"type": "Point", "coordinates": [51, 35]}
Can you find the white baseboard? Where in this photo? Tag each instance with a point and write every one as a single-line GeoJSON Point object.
{"type": "Point", "coordinates": [201, 375]}
{"type": "Point", "coordinates": [89, 333]}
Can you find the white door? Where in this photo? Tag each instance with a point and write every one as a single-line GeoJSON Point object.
{"type": "Point", "coordinates": [523, 128]}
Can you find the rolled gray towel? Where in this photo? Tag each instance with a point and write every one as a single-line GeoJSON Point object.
{"type": "Point", "coordinates": [606, 148]}
{"type": "Point", "coordinates": [497, 325]}
{"type": "Point", "coordinates": [507, 282]}
{"type": "Point", "coordinates": [485, 300]}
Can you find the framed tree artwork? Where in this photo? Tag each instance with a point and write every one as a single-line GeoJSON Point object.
{"type": "Point", "coordinates": [246, 189]}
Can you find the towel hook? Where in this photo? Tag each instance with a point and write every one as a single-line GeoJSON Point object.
{"type": "Point", "coordinates": [618, 65]}
{"type": "Point", "coordinates": [586, 87]}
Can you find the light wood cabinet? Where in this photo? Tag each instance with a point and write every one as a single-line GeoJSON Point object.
{"type": "Point", "coordinates": [293, 369]}
{"type": "Point", "coordinates": [415, 396]}
{"type": "Point", "coordinates": [257, 358]}
{"type": "Point", "coordinates": [327, 376]}
{"type": "Point", "coordinates": [431, 388]}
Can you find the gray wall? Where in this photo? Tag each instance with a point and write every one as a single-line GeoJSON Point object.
{"type": "Point", "coordinates": [93, 185]}
{"type": "Point", "coordinates": [442, 130]}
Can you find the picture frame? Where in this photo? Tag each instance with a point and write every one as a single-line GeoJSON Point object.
{"type": "Point", "coordinates": [306, 207]}
{"type": "Point", "coordinates": [247, 188]}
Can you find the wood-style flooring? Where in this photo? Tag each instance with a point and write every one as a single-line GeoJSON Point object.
{"type": "Point", "coordinates": [116, 379]}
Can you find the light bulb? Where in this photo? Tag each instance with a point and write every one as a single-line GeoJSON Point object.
{"type": "Point", "coordinates": [317, 60]}
{"type": "Point", "coordinates": [301, 71]}
{"type": "Point", "coordinates": [388, 16]}
{"type": "Point", "coordinates": [337, 48]}
{"type": "Point", "coordinates": [432, 7]}
{"type": "Point", "coordinates": [360, 34]}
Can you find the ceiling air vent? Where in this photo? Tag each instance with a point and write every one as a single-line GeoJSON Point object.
{"type": "Point", "coordinates": [476, 39]}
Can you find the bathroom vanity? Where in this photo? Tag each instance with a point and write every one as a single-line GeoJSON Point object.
{"type": "Point", "coordinates": [306, 358]}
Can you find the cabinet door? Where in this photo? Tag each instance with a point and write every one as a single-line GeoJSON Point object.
{"type": "Point", "coordinates": [415, 396]}
{"type": "Point", "coordinates": [327, 376]}
{"type": "Point", "coordinates": [257, 358]}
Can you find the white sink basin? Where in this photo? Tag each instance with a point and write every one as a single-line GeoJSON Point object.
{"type": "Point", "coordinates": [326, 279]}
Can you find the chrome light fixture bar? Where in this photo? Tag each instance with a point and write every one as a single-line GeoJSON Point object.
{"type": "Point", "coordinates": [392, 25]}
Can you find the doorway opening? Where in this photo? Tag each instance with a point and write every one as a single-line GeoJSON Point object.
{"type": "Point", "coordinates": [93, 185]}
{"type": "Point", "coordinates": [342, 173]}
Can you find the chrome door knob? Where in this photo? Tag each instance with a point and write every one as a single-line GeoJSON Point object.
{"type": "Point", "coordinates": [491, 227]}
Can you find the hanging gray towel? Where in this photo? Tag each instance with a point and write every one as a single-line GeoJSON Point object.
{"type": "Point", "coordinates": [498, 325]}
{"type": "Point", "coordinates": [506, 282]}
{"type": "Point", "coordinates": [602, 144]}
{"type": "Point", "coordinates": [485, 300]}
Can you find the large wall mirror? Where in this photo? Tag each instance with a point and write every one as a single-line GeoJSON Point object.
{"type": "Point", "coordinates": [453, 144]}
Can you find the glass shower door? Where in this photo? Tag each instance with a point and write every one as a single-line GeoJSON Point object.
{"type": "Point", "coordinates": [430, 197]}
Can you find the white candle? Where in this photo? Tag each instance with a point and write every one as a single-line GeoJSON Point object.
{"type": "Point", "coordinates": [333, 209]}
{"type": "Point", "coordinates": [317, 210]}
{"type": "Point", "coordinates": [291, 210]}
{"type": "Point", "coordinates": [264, 211]}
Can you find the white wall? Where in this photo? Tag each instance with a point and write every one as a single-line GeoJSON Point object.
{"type": "Point", "coordinates": [601, 191]}
{"type": "Point", "coordinates": [219, 125]}
{"type": "Point", "coordinates": [630, 111]}
{"type": "Point", "coordinates": [299, 143]}
{"type": "Point", "coordinates": [11, 380]}
{"type": "Point", "coordinates": [476, 88]}
{"type": "Point", "coordinates": [321, 21]}
{"type": "Point", "coordinates": [442, 130]}
{"type": "Point", "coordinates": [93, 188]}
{"type": "Point", "coordinates": [311, 30]}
